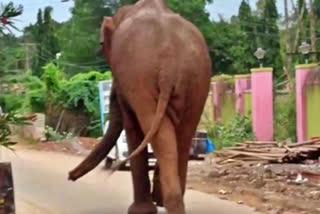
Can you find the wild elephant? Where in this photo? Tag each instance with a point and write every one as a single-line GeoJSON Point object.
{"type": "Point", "coordinates": [161, 70]}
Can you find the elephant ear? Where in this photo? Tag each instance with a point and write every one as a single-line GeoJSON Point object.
{"type": "Point", "coordinates": [106, 31]}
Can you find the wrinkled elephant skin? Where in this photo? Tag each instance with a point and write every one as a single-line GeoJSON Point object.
{"type": "Point", "coordinates": [161, 70]}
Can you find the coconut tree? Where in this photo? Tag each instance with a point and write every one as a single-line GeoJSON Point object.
{"type": "Point", "coordinates": [8, 12]}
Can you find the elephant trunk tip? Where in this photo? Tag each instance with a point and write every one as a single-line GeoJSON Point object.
{"type": "Point", "coordinates": [73, 175]}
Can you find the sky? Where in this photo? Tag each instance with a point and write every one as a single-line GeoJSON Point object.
{"type": "Point", "coordinates": [228, 8]}
{"type": "Point", "coordinates": [61, 11]}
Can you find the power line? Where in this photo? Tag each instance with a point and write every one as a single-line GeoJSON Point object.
{"type": "Point", "coordinates": [71, 64]}
{"type": "Point", "coordinates": [88, 64]}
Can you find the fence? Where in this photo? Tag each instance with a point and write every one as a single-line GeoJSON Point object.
{"type": "Point", "coordinates": [253, 95]}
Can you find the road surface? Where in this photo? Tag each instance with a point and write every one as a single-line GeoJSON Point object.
{"type": "Point", "coordinates": [41, 187]}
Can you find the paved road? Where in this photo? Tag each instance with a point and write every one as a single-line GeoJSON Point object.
{"type": "Point", "coordinates": [41, 185]}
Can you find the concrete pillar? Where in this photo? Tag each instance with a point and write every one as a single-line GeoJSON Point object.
{"type": "Point", "coordinates": [262, 103]}
{"type": "Point", "coordinates": [216, 100]}
{"type": "Point", "coordinates": [242, 85]}
{"type": "Point", "coordinates": [301, 99]}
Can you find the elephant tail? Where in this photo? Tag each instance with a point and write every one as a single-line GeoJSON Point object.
{"type": "Point", "coordinates": [160, 112]}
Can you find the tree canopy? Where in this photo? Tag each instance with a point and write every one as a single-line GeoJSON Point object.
{"type": "Point", "coordinates": [232, 42]}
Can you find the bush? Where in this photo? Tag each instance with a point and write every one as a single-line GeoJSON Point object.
{"type": "Point", "coordinates": [5, 132]}
{"type": "Point", "coordinates": [285, 118]}
{"type": "Point", "coordinates": [227, 134]}
{"type": "Point", "coordinates": [79, 93]}
{"type": "Point", "coordinates": [11, 102]}
{"type": "Point", "coordinates": [52, 135]}
{"type": "Point", "coordinates": [33, 98]}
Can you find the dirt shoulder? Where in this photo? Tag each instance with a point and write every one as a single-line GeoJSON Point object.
{"type": "Point", "coordinates": [269, 188]}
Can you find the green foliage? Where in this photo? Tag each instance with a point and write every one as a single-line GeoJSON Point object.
{"type": "Point", "coordinates": [78, 92]}
{"type": "Point", "coordinates": [79, 53]}
{"type": "Point", "coordinates": [227, 134]}
{"type": "Point", "coordinates": [43, 33]}
{"type": "Point", "coordinates": [269, 36]}
{"type": "Point", "coordinates": [247, 25]}
{"type": "Point", "coordinates": [11, 102]}
{"type": "Point", "coordinates": [285, 118]}
{"type": "Point", "coordinates": [12, 55]}
{"type": "Point", "coordinates": [51, 78]}
{"type": "Point", "coordinates": [53, 135]}
{"type": "Point", "coordinates": [5, 132]}
{"type": "Point", "coordinates": [7, 12]}
{"type": "Point", "coordinates": [32, 100]}
{"type": "Point", "coordinates": [81, 90]}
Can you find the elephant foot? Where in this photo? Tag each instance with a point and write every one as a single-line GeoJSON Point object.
{"type": "Point", "coordinates": [143, 208]}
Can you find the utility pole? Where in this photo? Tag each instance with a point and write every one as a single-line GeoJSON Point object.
{"type": "Point", "coordinates": [300, 26]}
{"type": "Point", "coordinates": [27, 46]}
{"type": "Point", "coordinates": [288, 57]}
{"type": "Point", "coordinates": [313, 31]}
{"type": "Point", "coordinates": [27, 57]}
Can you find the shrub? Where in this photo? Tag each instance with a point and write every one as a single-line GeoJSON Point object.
{"type": "Point", "coordinates": [285, 117]}
{"type": "Point", "coordinates": [53, 135]}
{"type": "Point", "coordinates": [11, 102]}
{"type": "Point", "coordinates": [6, 120]}
{"type": "Point", "coordinates": [79, 93]}
{"type": "Point", "coordinates": [32, 99]}
{"type": "Point", "coordinates": [227, 134]}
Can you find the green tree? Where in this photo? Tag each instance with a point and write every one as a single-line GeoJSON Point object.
{"type": "Point", "coordinates": [43, 34]}
{"type": "Point", "coordinates": [244, 55]}
{"type": "Point", "coordinates": [269, 36]}
{"type": "Point", "coordinates": [224, 42]}
{"type": "Point", "coordinates": [79, 37]}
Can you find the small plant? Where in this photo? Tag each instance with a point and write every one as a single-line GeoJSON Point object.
{"type": "Point", "coordinates": [53, 135]}
{"type": "Point", "coordinates": [227, 134]}
{"type": "Point", "coordinates": [6, 120]}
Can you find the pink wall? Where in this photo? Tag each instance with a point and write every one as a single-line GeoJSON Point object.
{"type": "Point", "coordinates": [216, 99]}
{"type": "Point", "coordinates": [262, 103]}
{"type": "Point", "coordinates": [301, 83]}
{"type": "Point", "coordinates": [242, 84]}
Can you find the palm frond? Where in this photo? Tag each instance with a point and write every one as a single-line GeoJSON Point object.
{"type": "Point", "coordinates": [7, 14]}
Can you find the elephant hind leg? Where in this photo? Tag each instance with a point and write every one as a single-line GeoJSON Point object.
{"type": "Point", "coordinates": [187, 128]}
{"type": "Point", "coordinates": [165, 147]}
{"type": "Point", "coordinates": [139, 166]}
